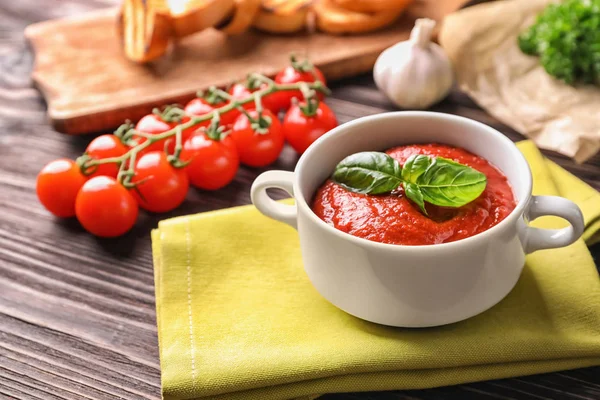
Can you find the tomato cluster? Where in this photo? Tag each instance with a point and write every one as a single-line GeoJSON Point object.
{"type": "Point", "coordinates": [209, 156]}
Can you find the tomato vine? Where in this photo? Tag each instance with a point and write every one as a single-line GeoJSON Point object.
{"type": "Point", "coordinates": [141, 140]}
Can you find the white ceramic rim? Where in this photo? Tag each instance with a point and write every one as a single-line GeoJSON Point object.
{"type": "Point", "coordinates": [340, 131]}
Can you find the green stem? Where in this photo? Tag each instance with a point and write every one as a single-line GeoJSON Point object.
{"type": "Point", "coordinates": [178, 143]}
{"type": "Point", "coordinates": [246, 113]}
{"type": "Point", "coordinates": [214, 130]}
{"type": "Point", "coordinates": [304, 66]}
{"type": "Point", "coordinates": [127, 174]}
{"type": "Point", "coordinates": [214, 95]}
{"type": "Point", "coordinates": [174, 159]}
{"type": "Point", "coordinates": [311, 101]}
{"type": "Point", "coordinates": [142, 134]}
{"type": "Point", "coordinates": [223, 94]}
{"type": "Point", "coordinates": [263, 79]}
{"type": "Point", "coordinates": [132, 162]}
{"type": "Point", "coordinates": [258, 105]}
{"type": "Point", "coordinates": [307, 92]}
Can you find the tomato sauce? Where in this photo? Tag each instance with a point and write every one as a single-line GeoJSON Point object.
{"type": "Point", "coordinates": [393, 218]}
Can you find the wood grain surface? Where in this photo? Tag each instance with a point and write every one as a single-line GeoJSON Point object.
{"type": "Point", "coordinates": [69, 51]}
{"type": "Point", "coordinates": [77, 317]}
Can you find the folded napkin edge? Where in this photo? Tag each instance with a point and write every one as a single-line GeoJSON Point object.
{"type": "Point", "coordinates": [412, 379]}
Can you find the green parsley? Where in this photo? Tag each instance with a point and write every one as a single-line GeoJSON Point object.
{"type": "Point", "coordinates": [566, 37]}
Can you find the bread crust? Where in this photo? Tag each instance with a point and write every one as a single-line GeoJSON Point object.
{"type": "Point", "coordinates": [373, 6]}
{"type": "Point", "coordinates": [332, 18]}
{"type": "Point", "coordinates": [243, 15]}
{"type": "Point", "coordinates": [282, 16]}
{"type": "Point", "coordinates": [145, 29]}
{"type": "Point", "coordinates": [197, 15]}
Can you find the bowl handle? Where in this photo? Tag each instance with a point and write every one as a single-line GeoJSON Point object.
{"type": "Point", "coordinates": [269, 207]}
{"type": "Point", "coordinates": [539, 239]}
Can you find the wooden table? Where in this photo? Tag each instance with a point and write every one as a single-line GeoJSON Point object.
{"type": "Point", "coordinates": [77, 314]}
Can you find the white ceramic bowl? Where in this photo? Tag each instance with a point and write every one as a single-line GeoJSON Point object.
{"type": "Point", "coordinates": [415, 286]}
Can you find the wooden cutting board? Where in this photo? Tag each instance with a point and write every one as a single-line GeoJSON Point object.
{"type": "Point", "coordinates": [90, 86]}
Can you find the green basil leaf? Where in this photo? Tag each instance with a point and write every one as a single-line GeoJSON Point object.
{"type": "Point", "coordinates": [435, 180]}
{"type": "Point", "coordinates": [445, 182]}
{"type": "Point", "coordinates": [414, 193]}
{"type": "Point", "coordinates": [415, 166]}
{"type": "Point", "coordinates": [369, 172]}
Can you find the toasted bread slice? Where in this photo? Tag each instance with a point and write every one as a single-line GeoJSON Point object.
{"type": "Point", "coordinates": [145, 28]}
{"type": "Point", "coordinates": [191, 16]}
{"type": "Point", "coordinates": [282, 16]}
{"type": "Point", "coordinates": [373, 6]}
{"type": "Point", "coordinates": [241, 18]}
{"type": "Point", "coordinates": [334, 19]}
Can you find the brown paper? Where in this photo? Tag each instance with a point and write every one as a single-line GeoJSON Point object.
{"type": "Point", "coordinates": [481, 41]}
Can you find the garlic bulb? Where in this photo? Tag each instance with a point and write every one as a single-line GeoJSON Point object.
{"type": "Point", "coordinates": [415, 73]}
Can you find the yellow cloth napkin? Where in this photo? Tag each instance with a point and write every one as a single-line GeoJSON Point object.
{"type": "Point", "coordinates": [239, 319]}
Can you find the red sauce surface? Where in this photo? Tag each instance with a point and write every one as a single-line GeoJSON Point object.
{"type": "Point", "coordinates": [392, 218]}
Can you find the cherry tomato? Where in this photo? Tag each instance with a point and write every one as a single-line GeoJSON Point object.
{"type": "Point", "coordinates": [271, 102]}
{"type": "Point", "coordinates": [106, 146]}
{"type": "Point", "coordinates": [240, 91]}
{"type": "Point", "coordinates": [57, 186]}
{"type": "Point", "coordinates": [161, 187]}
{"type": "Point", "coordinates": [200, 106]}
{"type": "Point", "coordinates": [105, 208]}
{"type": "Point", "coordinates": [213, 163]}
{"type": "Point", "coordinates": [155, 125]}
{"type": "Point", "coordinates": [289, 74]}
{"type": "Point", "coordinates": [301, 130]}
{"type": "Point", "coordinates": [258, 149]}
